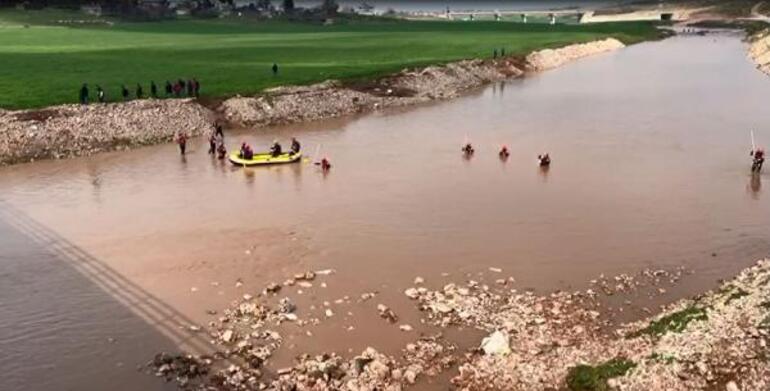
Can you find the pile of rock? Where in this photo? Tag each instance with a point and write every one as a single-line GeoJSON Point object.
{"type": "Point", "coordinates": [717, 341]}
{"type": "Point", "coordinates": [759, 50]}
{"type": "Point", "coordinates": [76, 130]}
{"type": "Point", "coordinates": [552, 58]}
{"type": "Point", "coordinates": [333, 99]}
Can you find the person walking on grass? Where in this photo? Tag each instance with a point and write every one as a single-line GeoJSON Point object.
{"type": "Point", "coordinates": [100, 94]}
{"type": "Point", "coordinates": [139, 91]}
{"type": "Point", "coordinates": [124, 92]}
{"type": "Point", "coordinates": [84, 94]}
{"type": "Point", "coordinates": [169, 89]}
{"type": "Point", "coordinates": [153, 90]}
{"type": "Point", "coordinates": [275, 69]}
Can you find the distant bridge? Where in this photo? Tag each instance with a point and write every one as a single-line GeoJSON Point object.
{"type": "Point", "coordinates": [582, 16]}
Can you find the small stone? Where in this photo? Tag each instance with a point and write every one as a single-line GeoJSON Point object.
{"type": "Point", "coordinates": [329, 313]}
{"type": "Point", "coordinates": [419, 280]}
{"type": "Point", "coordinates": [731, 386]}
{"type": "Point", "coordinates": [412, 293]}
{"type": "Point", "coordinates": [405, 327]}
{"type": "Point", "coordinates": [495, 269]}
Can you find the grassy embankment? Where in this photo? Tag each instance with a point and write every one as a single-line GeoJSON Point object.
{"type": "Point", "coordinates": [45, 60]}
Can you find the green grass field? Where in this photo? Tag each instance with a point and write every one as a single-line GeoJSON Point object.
{"type": "Point", "coordinates": [45, 61]}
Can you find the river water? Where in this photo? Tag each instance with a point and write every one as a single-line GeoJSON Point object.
{"type": "Point", "coordinates": [105, 260]}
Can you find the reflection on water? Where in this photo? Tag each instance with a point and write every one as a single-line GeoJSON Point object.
{"type": "Point", "coordinates": [650, 172]}
{"type": "Point", "coordinates": [755, 185]}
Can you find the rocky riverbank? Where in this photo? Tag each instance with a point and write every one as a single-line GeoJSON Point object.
{"type": "Point", "coordinates": [759, 50]}
{"type": "Point", "coordinates": [77, 130]}
{"type": "Point", "coordinates": [333, 98]}
{"type": "Point", "coordinates": [563, 340]}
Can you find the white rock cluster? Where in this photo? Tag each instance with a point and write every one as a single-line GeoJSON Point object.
{"type": "Point", "coordinates": [76, 130]}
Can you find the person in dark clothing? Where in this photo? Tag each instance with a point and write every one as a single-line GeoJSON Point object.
{"type": "Point", "coordinates": [295, 147]}
{"type": "Point", "coordinates": [759, 159]}
{"type": "Point", "coordinates": [219, 132]}
{"type": "Point", "coordinates": [221, 151]}
{"type": "Point", "coordinates": [169, 89]}
{"type": "Point", "coordinates": [139, 91]}
{"type": "Point", "coordinates": [276, 149]}
{"type": "Point", "coordinates": [275, 69]}
{"type": "Point", "coordinates": [197, 88]}
{"type": "Point", "coordinates": [84, 94]}
{"type": "Point", "coordinates": [494, 54]}
{"type": "Point", "coordinates": [124, 92]}
{"type": "Point", "coordinates": [153, 89]}
{"type": "Point", "coordinates": [468, 149]}
{"type": "Point", "coordinates": [502, 52]}
{"type": "Point", "coordinates": [181, 139]}
{"type": "Point", "coordinates": [212, 143]}
{"type": "Point", "coordinates": [190, 88]}
{"type": "Point", "coordinates": [545, 160]}
{"type": "Point", "coordinates": [177, 89]}
{"type": "Point", "coordinates": [182, 85]}
{"type": "Point", "coordinates": [100, 94]}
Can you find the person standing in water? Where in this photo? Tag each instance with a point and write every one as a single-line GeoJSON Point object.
{"type": "Point", "coordinates": [153, 90]}
{"type": "Point", "coordinates": [181, 139]}
{"type": "Point", "coordinates": [275, 69]}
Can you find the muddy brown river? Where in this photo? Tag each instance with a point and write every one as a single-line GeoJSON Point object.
{"type": "Point", "coordinates": [106, 260]}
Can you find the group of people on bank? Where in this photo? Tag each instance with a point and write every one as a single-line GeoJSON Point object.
{"type": "Point", "coordinates": [180, 88]}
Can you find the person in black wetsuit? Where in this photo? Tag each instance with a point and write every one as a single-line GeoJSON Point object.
{"type": "Point", "coordinates": [276, 149]}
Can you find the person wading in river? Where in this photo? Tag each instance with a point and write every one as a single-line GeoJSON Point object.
{"type": "Point", "coordinates": [275, 69]}
{"type": "Point", "coordinates": [181, 139]}
{"type": "Point", "coordinates": [169, 89]}
{"type": "Point", "coordinates": [124, 92]}
{"type": "Point", "coordinates": [139, 91]}
{"type": "Point", "coordinates": [153, 90]}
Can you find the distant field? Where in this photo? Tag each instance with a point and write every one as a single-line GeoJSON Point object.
{"type": "Point", "coordinates": [44, 61]}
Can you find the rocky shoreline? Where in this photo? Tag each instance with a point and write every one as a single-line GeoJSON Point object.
{"type": "Point", "coordinates": [558, 341]}
{"type": "Point", "coordinates": [76, 130]}
{"type": "Point", "coordinates": [759, 50]}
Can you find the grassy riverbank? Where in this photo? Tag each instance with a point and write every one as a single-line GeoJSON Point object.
{"type": "Point", "coordinates": [47, 55]}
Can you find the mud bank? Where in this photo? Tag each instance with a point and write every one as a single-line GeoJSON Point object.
{"type": "Point", "coordinates": [717, 341]}
{"type": "Point", "coordinates": [76, 130]}
{"type": "Point", "coordinates": [759, 50]}
{"type": "Point", "coordinates": [334, 99]}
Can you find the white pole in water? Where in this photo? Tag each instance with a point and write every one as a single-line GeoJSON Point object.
{"type": "Point", "coordinates": [753, 143]}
